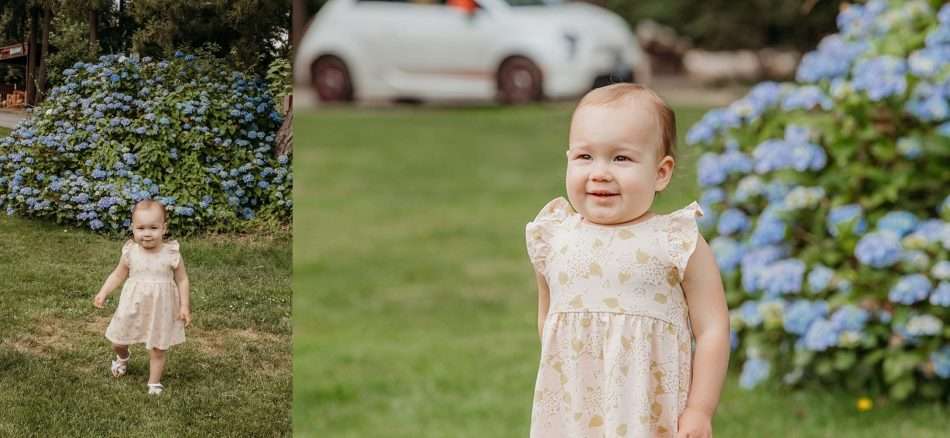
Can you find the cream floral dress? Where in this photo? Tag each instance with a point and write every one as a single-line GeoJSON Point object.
{"type": "Point", "coordinates": [149, 303]}
{"type": "Point", "coordinates": [616, 346]}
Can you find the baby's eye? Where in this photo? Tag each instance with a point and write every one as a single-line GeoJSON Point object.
{"type": "Point", "coordinates": [623, 158]}
{"type": "Point", "coordinates": [583, 156]}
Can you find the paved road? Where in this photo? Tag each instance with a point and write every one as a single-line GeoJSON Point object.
{"type": "Point", "coordinates": [9, 119]}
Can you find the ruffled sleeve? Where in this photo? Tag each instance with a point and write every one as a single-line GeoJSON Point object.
{"type": "Point", "coordinates": [174, 256]}
{"type": "Point", "coordinates": [538, 232]}
{"type": "Point", "coordinates": [126, 248]}
{"type": "Point", "coordinates": [683, 235]}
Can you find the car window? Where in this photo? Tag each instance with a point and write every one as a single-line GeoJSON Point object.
{"type": "Point", "coordinates": [533, 2]}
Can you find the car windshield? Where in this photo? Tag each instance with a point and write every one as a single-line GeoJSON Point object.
{"type": "Point", "coordinates": [534, 2]}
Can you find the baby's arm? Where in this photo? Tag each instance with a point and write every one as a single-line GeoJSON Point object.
{"type": "Point", "coordinates": [184, 293]}
{"type": "Point", "coordinates": [709, 317]}
{"type": "Point", "coordinates": [544, 301]}
{"type": "Point", "coordinates": [114, 280]}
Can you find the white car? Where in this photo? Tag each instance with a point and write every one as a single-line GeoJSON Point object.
{"type": "Point", "coordinates": [511, 50]}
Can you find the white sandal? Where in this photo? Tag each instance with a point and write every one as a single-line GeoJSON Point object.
{"type": "Point", "coordinates": [120, 365]}
{"type": "Point", "coordinates": [155, 389]}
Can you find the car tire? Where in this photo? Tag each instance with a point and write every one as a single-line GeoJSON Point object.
{"type": "Point", "coordinates": [519, 81]}
{"type": "Point", "coordinates": [331, 79]}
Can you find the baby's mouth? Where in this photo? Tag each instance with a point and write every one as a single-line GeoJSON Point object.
{"type": "Point", "coordinates": [602, 194]}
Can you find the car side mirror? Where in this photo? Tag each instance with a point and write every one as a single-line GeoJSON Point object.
{"type": "Point", "coordinates": [469, 7]}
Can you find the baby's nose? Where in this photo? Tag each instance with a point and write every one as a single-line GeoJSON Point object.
{"type": "Point", "coordinates": [601, 174]}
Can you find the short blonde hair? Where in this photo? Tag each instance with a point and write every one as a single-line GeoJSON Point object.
{"type": "Point", "coordinates": [150, 203]}
{"type": "Point", "coordinates": [622, 93]}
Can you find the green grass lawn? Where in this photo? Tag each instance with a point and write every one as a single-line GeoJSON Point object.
{"type": "Point", "coordinates": [231, 378]}
{"type": "Point", "coordinates": [4, 131]}
{"type": "Point", "coordinates": [415, 305]}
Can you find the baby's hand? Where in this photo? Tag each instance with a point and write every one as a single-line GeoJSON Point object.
{"type": "Point", "coordinates": [694, 423]}
{"type": "Point", "coordinates": [99, 301]}
{"type": "Point", "coordinates": [184, 314]}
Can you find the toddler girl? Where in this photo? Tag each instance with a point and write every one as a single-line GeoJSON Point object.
{"type": "Point", "coordinates": [622, 291]}
{"type": "Point", "coordinates": [154, 305]}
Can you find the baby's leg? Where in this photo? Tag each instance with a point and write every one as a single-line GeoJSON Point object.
{"type": "Point", "coordinates": [156, 365]}
{"type": "Point", "coordinates": [121, 350]}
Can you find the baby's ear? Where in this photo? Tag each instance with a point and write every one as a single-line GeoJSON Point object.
{"type": "Point", "coordinates": [664, 173]}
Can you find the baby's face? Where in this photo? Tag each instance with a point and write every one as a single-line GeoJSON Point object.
{"type": "Point", "coordinates": [614, 163]}
{"type": "Point", "coordinates": [148, 227]}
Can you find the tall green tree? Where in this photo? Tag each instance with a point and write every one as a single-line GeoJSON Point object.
{"type": "Point", "coordinates": [249, 33]}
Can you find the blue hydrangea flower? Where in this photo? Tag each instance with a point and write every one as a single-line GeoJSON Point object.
{"type": "Point", "coordinates": [712, 196]}
{"type": "Point", "coordinates": [941, 270]}
{"type": "Point", "coordinates": [804, 197]}
{"type": "Point", "coordinates": [941, 358]}
{"type": "Point", "coordinates": [802, 313]}
{"type": "Point", "coordinates": [820, 336]}
{"type": "Point", "coordinates": [749, 312]}
{"type": "Point", "coordinates": [843, 214]}
{"type": "Point", "coordinates": [728, 253]}
{"type": "Point", "coordinates": [941, 295]}
{"type": "Point", "coordinates": [754, 371]}
{"type": "Point", "coordinates": [748, 188]}
{"type": "Point", "coordinates": [831, 60]}
{"type": "Point", "coordinates": [782, 277]}
{"type": "Point", "coordinates": [924, 325]}
{"type": "Point", "coordinates": [929, 102]}
{"type": "Point", "coordinates": [819, 278]}
{"type": "Point", "coordinates": [755, 261]}
{"type": "Point", "coordinates": [806, 97]}
{"type": "Point", "coordinates": [732, 221]}
{"type": "Point", "coordinates": [770, 228]}
{"type": "Point", "coordinates": [849, 318]}
{"type": "Point", "coordinates": [881, 77]}
{"type": "Point", "coordinates": [878, 250]}
{"type": "Point", "coordinates": [899, 222]}
{"type": "Point", "coordinates": [910, 289]}
{"type": "Point", "coordinates": [710, 172]}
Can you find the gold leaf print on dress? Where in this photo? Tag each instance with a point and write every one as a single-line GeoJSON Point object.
{"type": "Point", "coordinates": [656, 409]}
{"type": "Point", "coordinates": [563, 278]}
{"type": "Point", "coordinates": [660, 298]}
{"type": "Point", "coordinates": [627, 342]}
{"type": "Point", "coordinates": [578, 345]}
{"type": "Point", "coordinates": [577, 302]}
{"type": "Point", "coordinates": [613, 303]}
{"type": "Point", "coordinates": [596, 421]}
{"type": "Point", "coordinates": [642, 257]}
{"type": "Point", "coordinates": [622, 430]}
{"type": "Point", "coordinates": [623, 277]}
{"type": "Point", "coordinates": [564, 249]}
{"type": "Point", "coordinates": [625, 369]}
{"type": "Point", "coordinates": [598, 243]}
{"type": "Point", "coordinates": [625, 234]}
{"type": "Point", "coordinates": [672, 276]}
{"type": "Point", "coordinates": [595, 269]}
{"type": "Point", "coordinates": [585, 322]}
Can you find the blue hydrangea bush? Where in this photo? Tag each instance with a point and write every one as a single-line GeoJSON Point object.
{"type": "Point", "coordinates": [827, 207]}
{"type": "Point", "coordinates": [188, 132]}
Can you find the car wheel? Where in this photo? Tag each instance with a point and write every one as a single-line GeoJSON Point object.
{"type": "Point", "coordinates": [331, 79]}
{"type": "Point", "coordinates": [519, 81]}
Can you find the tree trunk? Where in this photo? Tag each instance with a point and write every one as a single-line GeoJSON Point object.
{"type": "Point", "coordinates": [31, 60]}
{"type": "Point", "coordinates": [41, 72]}
{"type": "Point", "coordinates": [299, 16]}
{"type": "Point", "coordinates": [92, 18]}
{"type": "Point", "coordinates": [285, 135]}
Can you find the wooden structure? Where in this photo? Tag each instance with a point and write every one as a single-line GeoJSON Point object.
{"type": "Point", "coordinates": [10, 94]}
